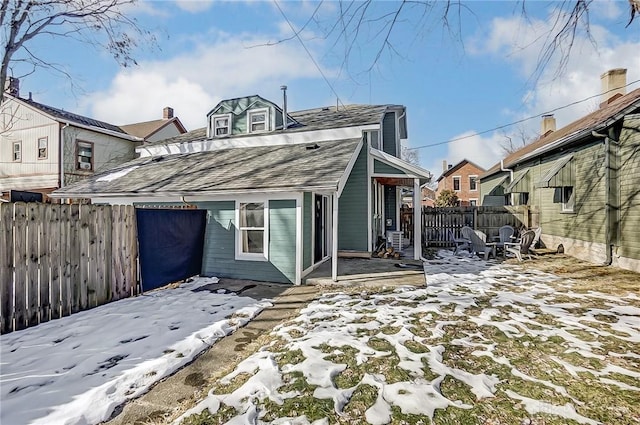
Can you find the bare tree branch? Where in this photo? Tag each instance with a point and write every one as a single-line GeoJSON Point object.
{"type": "Point", "coordinates": [100, 23]}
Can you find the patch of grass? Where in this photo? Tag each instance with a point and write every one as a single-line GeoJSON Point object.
{"type": "Point", "coordinates": [390, 330]}
{"type": "Point", "coordinates": [363, 397]}
{"type": "Point", "coordinates": [416, 347]}
{"type": "Point", "coordinates": [235, 383]}
{"type": "Point", "coordinates": [586, 362]}
{"type": "Point", "coordinates": [295, 333]}
{"type": "Point", "coordinates": [429, 375]}
{"type": "Point", "coordinates": [364, 319]}
{"type": "Point", "coordinates": [454, 389]}
{"type": "Point", "coordinates": [313, 408]}
{"type": "Point", "coordinates": [224, 414]}
{"type": "Point", "coordinates": [387, 366]}
{"type": "Point", "coordinates": [380, 344]}
{"type": "Point", "coordinates": [352, 374]}
{"type": "Point", "coordinates": [290, 357]}
{"type": "Point", "coordinates": [614, 405]}
{"type": "Point", "coordinates": [399, 418]}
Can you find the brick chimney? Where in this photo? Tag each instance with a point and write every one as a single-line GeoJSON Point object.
{"type": "Point", "coordinates": [12, 86]}
{"type": "Point", "coordinates": [614, 84]}
{"type": "Point", "coordinates": [548, 125]}
{"type": "Point", "coordinates": [444, 165]}
{"type": "Point", "coordinates": [167, 113]}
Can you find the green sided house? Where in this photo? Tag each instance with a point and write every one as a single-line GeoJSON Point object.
{"type": "Point", "coordinates": [583, 179]}
{"type": "Point", "coordinates": [284, 192]}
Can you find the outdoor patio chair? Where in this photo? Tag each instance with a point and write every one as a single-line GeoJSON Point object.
{"type": "Point", "coordinates": [466, 232]}
{"type": "Point", "coordinates": [480, 246]}
{"type": "Point", "coordinates": [505, 234]}
{"type": "Point", "coordinates": [460, 243]}
{"type": "Point", "coordinates": [522, 247]}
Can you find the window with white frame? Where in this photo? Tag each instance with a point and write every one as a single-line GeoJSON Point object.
{"type": "Point", "coordinates": [17, 151]}
{"type": "Point", "coordinates": [221, 125]}
{"type": "Point", "coordinates": [252, 219]}
{"type": "Point", "coordinates": [568, 200]}
{"type": "Point", "coordinates": [43, 147]}
{"type": "Point", "coordinates": [473, 202]}
{"type": "Point", "coordinates": [258, 120]}
{"type": "Point", "coordinates": [84, 156]}
{"type": "Point", "coordinates": [456, 183]}
{"type": "Point", "coordinates": [473, 183]}
{"type": "Point", "coordinates": [373, 137]}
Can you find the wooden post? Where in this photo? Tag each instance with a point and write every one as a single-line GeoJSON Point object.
{"type": "Point", "coordinates": [334, 238]}
{"type": "Point", "coordinates": [417, 220]}
{"type": "Point", "coordinates": [6, 267]}
{"type": "Point", "coordinates": [20, 263]}
{"type": "Point", "coordinates": [55, 260]}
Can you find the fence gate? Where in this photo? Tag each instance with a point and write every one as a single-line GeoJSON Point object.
{"type": "Point", "coordinates": [171, 244]}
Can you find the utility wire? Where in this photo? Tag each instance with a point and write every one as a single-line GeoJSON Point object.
{"type": "Point", "coordinates": [308, 52]}
{"type": "Point", "coordinates": [517, 122]}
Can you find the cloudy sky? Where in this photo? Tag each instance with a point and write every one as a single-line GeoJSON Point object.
{"type": "Point", "coordinates": [458, 81]}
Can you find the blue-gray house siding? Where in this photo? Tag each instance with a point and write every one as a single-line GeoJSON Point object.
{"type": "Point", "coordinates": [220, 239]}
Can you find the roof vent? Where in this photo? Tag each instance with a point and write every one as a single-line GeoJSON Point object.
{"type": "Point", "coordinates": [312, 147]}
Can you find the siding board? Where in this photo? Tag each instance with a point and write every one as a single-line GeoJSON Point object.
{"type": "Point", "coordinates": [352, 208]}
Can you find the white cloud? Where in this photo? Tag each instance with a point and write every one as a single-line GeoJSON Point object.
{"type": "Point", "coordinates": [194, 82]}
{"type": "Point", "coordinates": [519, 42]}
{"type": "Point", "coordinates": [484, 151]}
{"type": "Point", "coordinates": [194, 6]}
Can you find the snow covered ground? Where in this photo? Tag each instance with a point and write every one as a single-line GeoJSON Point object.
{"type": "Point", "coordinates": [482, 343]}
{"type": "Point", "coordinates": [77, 369]}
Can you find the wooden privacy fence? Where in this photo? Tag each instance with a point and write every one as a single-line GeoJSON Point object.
{"type": "Point", "coordinates": [438, 221]}
{"type": "Point", "coordinates": [58, 260]}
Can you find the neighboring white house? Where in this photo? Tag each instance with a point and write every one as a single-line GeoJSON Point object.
{"type": "Point", "coordinates": [43, 148]}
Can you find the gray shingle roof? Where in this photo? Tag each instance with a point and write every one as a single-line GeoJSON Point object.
{"type": "Point", "coordinates": [263, 168]}
{"type": "Point", "coordinates": [308, 120]}
{"type": "Point", "coordinates": [70, 116]}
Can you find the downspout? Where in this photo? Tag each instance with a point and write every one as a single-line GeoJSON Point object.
{"type": "Point", "coordinates": [510, 172]}
{"type": "Point", "coordinates": [607, 204]}
{"type": "Point", "coordinates": [61, 154]}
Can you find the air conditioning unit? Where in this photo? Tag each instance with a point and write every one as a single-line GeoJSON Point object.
{"type": "Point", "coordinates": [85, 165]}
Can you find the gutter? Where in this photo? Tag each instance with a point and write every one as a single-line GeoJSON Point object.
{"type": "Point", "coordinates": [607, 189]}
{"type": "Point", "coordinates": [61, 154]}
{"type": "Point", "coordinates": [102, 130]}
{"type": "Point", "coordinates": [180, 195]}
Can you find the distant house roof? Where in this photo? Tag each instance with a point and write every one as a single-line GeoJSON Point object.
{"type": "Point", "coordinates": [577, 130]}
{"type": "Point", "coordinates": [70, 117]}
{"type": "Point", "coordinates": [259, 169]}
{"type": "Point", "coordinates": [459, 165]}
{"type": "Point", "coordinates": [307, 120]}
{"type": "Point", "coordinates": [148, 128]}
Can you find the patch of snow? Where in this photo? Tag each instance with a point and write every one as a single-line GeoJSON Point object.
{"type": "Point", "coordinates": [566, 411]}
{"type": "Point", "coordinates": [117, 174]}
{"type": "Point", "coordinates": [81, 367]}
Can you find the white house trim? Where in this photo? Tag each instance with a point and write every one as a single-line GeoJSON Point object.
{"type": "Point", "coordinates": [299, 238]}
{"type": "Point", "coordinates": [400, 164]}
{"type": "Point", "coordinates": [334, 238]}
{"type": "Point", "coordinates": [347, 171]}
{"type": "Point", "coordinates": [289, 137]}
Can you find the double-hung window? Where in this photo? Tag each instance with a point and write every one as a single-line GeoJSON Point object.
{"type": "Point", "coordinates": [473, 183]}
{"type": "Point", "coordinates": [568, 199]}
{"type": "Point", "coordinates": [43, 145]}
{"type": "Point", "coordinates": [84, 156]}
{"type": "Point", "coordinates": [456, 183]}
{"type": "Point", "coordinates": [252, 219]}
{"type": "Point", "coordinates": [221, 125]}
{"type": "Point", "coordinates": [258, 120]}
{"type": "Point", "coordinates": [17, 151]}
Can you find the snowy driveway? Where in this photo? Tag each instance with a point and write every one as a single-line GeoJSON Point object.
{"type": "Point", "coordinates": [483, 343]}
{"type": "Point", "coordinates": [77, 369]}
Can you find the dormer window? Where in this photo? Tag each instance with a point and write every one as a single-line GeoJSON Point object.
{"type": "Point", "coordinates": [258, 120]}
{"type": "Point", "coordinates": [221, 125]}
